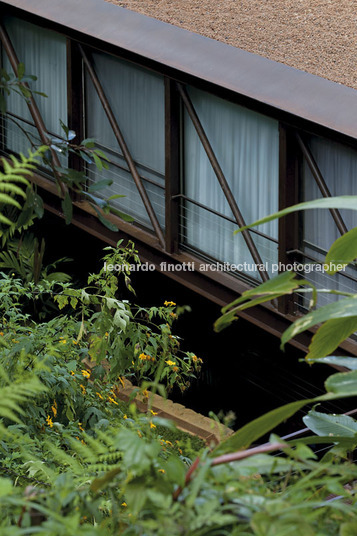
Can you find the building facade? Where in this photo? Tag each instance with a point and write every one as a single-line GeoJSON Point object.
{"type": "Point", "coordinates": [202, 138]}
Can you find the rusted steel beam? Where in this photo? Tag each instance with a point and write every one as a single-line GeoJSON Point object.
{"type": "Point", "coordinates": [257, 81]}
{"type": "Point", "coordinates": [218, 287]}
{"type": "Point", "coordinates": [222, 180]}
{"type": "Point", "coordinates": [122, 143]}
{"type": "Point", "coordinates": [320, 181]}
{"type": "Point", "coordinates": [172, 165]}
{"type": "Point", "coordinates": [288, 196]}
{"type": "Point", "coordinates": [31, 103]}
{"type": "Point", "coordinates": [75, 113]}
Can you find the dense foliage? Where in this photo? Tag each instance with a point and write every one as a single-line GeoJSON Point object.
{"type": "Point", "coordinates": [75, 460]}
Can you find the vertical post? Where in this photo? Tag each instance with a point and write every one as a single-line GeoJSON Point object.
{"type": "Point", "coordinates": [75, 119]}
{"type": "Point", "coordinates": [172, 166]}
{"type": "Point", "coordinates": [288, 195]}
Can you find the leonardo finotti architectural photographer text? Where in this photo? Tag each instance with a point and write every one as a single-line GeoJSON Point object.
{"type": "Point", "coordinates": [273, 268]}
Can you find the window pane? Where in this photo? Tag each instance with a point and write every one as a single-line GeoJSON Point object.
{"type": "Point", "coordinates": [246, 145]}
{"type": "Point", "coordinates": [136, 97]}
{"type": "Point", "coordinates": [44, 54]}
{"type": "Point", "coordinates": [338, 166]}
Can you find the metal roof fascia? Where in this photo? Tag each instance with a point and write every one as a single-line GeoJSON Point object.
{"type": "Point", "coordinates": [285, 88]}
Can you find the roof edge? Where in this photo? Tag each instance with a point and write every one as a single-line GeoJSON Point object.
{"type": "Point", "coordinates": [282, 87]}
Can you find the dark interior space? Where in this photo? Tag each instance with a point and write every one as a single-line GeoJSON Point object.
{"type": "Point", "coordinates": [244, 369]}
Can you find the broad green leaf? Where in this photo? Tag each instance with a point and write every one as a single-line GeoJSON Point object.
{"type": "Point", "coordinates": [342, 383]}
{"type": "Point", "coordinates": [115, 196]}
{"type": "Point", "coordinates": [67, 208]}
{"type": "Point", "coordinates": [108, 224]}
{"type": "Point", "coordinates": [340, 202]}
{"type": "Point", "coordinates": [38, 206]}
{"type": "Point", "coordinates": [102, 155]}
{"type": "Point", "coordinates": [344, 308]}
{"type": "Point", "coordinates": [99, 185]}
{"type": "Point", "coordinates": [322, 440]}
{"type": "Point", "coordinates": [331, 425]}
{"type": "Point", "coordinates": [89, 143]}
{"type": "Point", "coordinates": [281, 285]}
{"type": "Point", "coordinates": [330, 335]}
{"type": "Point", "coordinates": [347, 362]}
{"type": "Point", "coordinates": [243, 438]}
{"type": "Point", "coordinates": [176, 470]}
{"type": "Point", "coordinates": [97, 161]}
{"type": "Point", "coordinates": [342, 252]}
{"type": "Point", "coordinates": [121, 214]}
{"type": "Point", "coordinates": [20, 71]}
{"type": "Point", "coordinates": [86, 157]}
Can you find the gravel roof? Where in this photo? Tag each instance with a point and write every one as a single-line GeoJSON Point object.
{"type": "Point", "coordinates": [317, 36]}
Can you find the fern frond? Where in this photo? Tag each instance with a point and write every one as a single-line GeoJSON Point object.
{"type": "Point", "coordinates": [16, 171]}
{"type": "Point", "coordinates": [16, 394]}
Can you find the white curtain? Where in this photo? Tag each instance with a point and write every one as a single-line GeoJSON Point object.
{"type": "Point", "coordinates": [136, 97]}
{"type": "Point", "coordinates": [338, 166]}
{"type": "Point", "coordinates": [246, 145]}
{"type": "Point", "coordinates": [44, 55]}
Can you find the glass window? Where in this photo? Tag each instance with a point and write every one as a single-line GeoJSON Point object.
{"type": "Point", "coordinates": [44, 55]}
{"type": "Point", "coordinates": [338, 166]}
{"type": "Point", "coordinates": [136, 97]}
{"type": "Point", "coordinates": [246, 145]}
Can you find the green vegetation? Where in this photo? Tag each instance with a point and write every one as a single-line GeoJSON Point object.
{"type": "Point", "coordinates": [74, 460]}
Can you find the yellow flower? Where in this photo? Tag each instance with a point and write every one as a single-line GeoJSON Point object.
{"type": "Point", "coordinates": [194, 358]}
{"type": "Point", "coordinates": [173, 315]}
{"type": "Point", "coordinates": [124, 504]}
{"type": "Point", "coordinates": [83, 389]}
{"type": "Point", "coordinates": [1, 333]}
{"type": "Point", "coordinates": [175, 369]}
{"type": "Point", "coordinates": [180, 451]}
{"type": "Point", "coordinates": [63, 341]}
{"type": "Point", "coordinates": [49, 421]}
{"type": "Point", "coordinates": [80, 427]}
{"type": "Point", "coordinates": [169, 304]}
{"type": "Point", "coordinates": [146, 393]}
{"type": "Point", "coordinates": [171, 363]}
{"type": "Point", "coordinates": [161, 471]}
{"type": "Point", "coordinates": [72, 372]}
{"type": "Point", "coordinates": [106, 334]}
{"type": "Point", "coordinates": [99, 395]}
{"type": "Point", "coordinates": [169, 443]}
{"type": "Point", "coordinates": [125, 417]}
{"type": "Point", "coordinates": [85, 374]}
{"type": "Point", "coordinates": [14, 340]}
{"type": "Point", "coordinates": [54, 408]}
{"type": "Point", "coordinates": [152, 425]}
{"type": "Point", "coordinates": [112, 400]}
{"type": "Point", "coordinates": [121, 381]}
{"type": "Point", "coordinates": [75, 342]}
{"type": "Point", "coordinates": [139, 433]}
{"type": "Point", "coordinates": [153, 412]}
